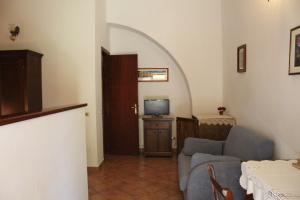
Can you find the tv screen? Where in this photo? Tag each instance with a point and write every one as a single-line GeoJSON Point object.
{"type": "Point", "coordinates": [156, 107]}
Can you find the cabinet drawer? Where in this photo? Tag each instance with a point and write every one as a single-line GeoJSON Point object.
{"type": "Point", "coordinates": [156, 125]}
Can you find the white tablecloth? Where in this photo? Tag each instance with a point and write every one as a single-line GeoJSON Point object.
{"type": "Point", "coordinates": [268, 180]}
{"type": "Point", "coordinates": [216, 120]}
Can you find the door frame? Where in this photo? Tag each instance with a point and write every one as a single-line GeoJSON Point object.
{"type": "Point", "coordinates": [104, 53]}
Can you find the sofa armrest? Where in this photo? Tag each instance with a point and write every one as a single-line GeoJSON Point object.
{"type": "Point", "coordinates": [227, 174]}
{"type": "Point", "coordinates": [197, 145]}
{"type": "Point", "coordinates": [201, 158]}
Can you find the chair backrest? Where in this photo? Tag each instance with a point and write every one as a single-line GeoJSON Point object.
{"type": "Point", "coordinates": [218, 192]}
{"type": "Point", "coordinates": [247, 145]}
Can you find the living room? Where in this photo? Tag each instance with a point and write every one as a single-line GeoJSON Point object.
{"type": "Point", "coordinates": [199, 37]}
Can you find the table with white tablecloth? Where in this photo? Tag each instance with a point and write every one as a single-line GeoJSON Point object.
{"type": "Point", "coordinates": [271, 180]}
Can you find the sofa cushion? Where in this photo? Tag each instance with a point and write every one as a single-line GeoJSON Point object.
{"type": "Point", "coordinates": [197, 145]}
{"type": "Point", "coordinates": [247, 145]}
{"type": "Point", "coordinates": [184, 163]}
{"type": "Point", "coordinates": [202, 158]}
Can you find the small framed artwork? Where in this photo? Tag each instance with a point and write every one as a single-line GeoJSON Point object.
{"type": "Point", "coordinates": [242, 58]}
{"type": "Point", "coordinates": [294, 67]}
{"type": "Point", "coordinates": [153, 74]}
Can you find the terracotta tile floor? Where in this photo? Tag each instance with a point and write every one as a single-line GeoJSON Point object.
{"type": "Point", "coordinates": [134, 178]}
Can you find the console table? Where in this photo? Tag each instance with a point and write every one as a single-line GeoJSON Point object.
{"type": "Point", "coordinates": [271, 180]}
{"type": "Point", "coordinates": [157, 136]}
{"type": "Point", "coordinates": [215, 127]}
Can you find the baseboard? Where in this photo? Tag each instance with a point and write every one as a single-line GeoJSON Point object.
{"type": "Point", "coordinates": [94, 168]}
{"type": "Point", "coordinates": [174, 151]}
{"type": "Point", "coordinates": [141, 151]}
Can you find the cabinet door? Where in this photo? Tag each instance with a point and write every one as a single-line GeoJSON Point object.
{"type": "Point", "coordinates": [12, 87]}
{"type": "Point", "coordinates": [150, 140]}
{"type": "Point", "coordinates": [164, 140]}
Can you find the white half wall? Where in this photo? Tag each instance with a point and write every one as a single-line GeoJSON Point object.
{"type": "Point", "coordinates": [44, 158]}
{"type": "Point", "coordinates": [69, 34]}
{"type": "Point", "coordinates": [124, 41]}
{"type": "Point", "coordinates": [192, 33]}
{"type": "Point", "coordinates": [265, 98]}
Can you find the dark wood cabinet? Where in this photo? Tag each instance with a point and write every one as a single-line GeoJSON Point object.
{"type": "Point", "coordinates": [157, 136]}
{"type": "Point", "coordinates": [214, 131]}
{"type": "Point", "coordinates": [20, 82]}
{"type": "Point", "coordinates": [213, 127]}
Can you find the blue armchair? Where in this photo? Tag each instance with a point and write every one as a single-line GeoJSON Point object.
{"type": "Point", "coordinates": [226, 156]}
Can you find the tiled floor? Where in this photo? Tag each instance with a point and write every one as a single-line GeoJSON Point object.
{"type": "Point", "coordinates": [135, 178]}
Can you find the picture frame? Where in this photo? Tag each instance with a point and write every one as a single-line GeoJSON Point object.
{"type": "Point", "coordinates": [153, 74]}
{"type": "Point", "coordinates": [294, 61]}
{"type": "Point", "coordinates": [242, 58]}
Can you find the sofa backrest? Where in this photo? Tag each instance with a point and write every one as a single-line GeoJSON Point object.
{"type": "Point", "coordinates": [247, 145]}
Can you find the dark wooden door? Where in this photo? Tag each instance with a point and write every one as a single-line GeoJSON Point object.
{"type": "Point", "coordinates": [121, 105]}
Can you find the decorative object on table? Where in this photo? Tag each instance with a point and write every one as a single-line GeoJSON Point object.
{"type": "Point", "coordinates": [242, 58]}
{"type": "Point", "coordinates": [221, 110]}
{"type": "Point", "coordinates": [14, 32]}
{"type": "Point", "coordinates": [297, 164]}
{"type": "Point", "coordinates": [294, 66]}
{"type": "Point", "coordinates": [153, 74]}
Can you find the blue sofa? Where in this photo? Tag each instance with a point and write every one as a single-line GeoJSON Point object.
{"type": "Point", "coordinates": [226, 156]}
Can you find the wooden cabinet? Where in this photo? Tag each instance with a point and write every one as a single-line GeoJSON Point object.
{"type": "Point", "coordinates": [20, 82]}
{"type": "Point", "coordinates": [213, 127]}
{"type": "Point", "coordinates": [157, 136]}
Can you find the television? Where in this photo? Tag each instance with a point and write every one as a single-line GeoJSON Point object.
{"type": "Point", "coordinates": [156, 107]}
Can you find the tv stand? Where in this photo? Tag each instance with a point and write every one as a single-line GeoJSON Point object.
{"type": "Point", "coordinates": [158, 135]}
{"type": "Point", "coordinates": [157, 116]}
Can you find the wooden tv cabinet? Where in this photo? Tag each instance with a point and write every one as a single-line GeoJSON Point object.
{"type": "Point", "coordinates": [157, 136]}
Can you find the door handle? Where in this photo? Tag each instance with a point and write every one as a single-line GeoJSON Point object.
{"type": "Point", "coordinates": [135, 109]}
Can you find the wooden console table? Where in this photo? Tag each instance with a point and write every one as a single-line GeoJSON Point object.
{"type": "Point", "coordinates": [215, 127]}
{"type": "Point", "coordinates": [157, 136]}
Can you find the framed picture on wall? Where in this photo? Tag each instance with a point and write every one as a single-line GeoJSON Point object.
{"type": "Point", "coordinates": [294, 66]}
{"type": "Point", "coordinates": [153, 74]}
{"type": "Point", "coordinates": [242, 58]}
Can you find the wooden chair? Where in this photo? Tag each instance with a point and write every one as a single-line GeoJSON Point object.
{"type": "Point", "coordinates": [219, 192]}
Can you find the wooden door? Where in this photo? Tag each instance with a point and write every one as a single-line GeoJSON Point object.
{"type": "Point", "coordinates": [121, 105]}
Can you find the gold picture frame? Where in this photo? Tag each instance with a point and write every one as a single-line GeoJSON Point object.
{"type": "Point", "coordinates": [153, 74]}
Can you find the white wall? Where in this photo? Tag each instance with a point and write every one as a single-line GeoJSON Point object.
{"type": "Point", "coordinates": [102, 40]}
{"type": "Point", "coordinates": [265, 98]}
{"type": "Point", "coordinates": [66, 32]}
{"type": "Point", "coordinates": [191, 31]}
{"type": "Point", "coordinates": [44, 158]}
{"type": "Point", "coordinates": [124, 41]}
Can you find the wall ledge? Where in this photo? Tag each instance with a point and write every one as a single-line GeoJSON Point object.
{"type": "Point", "coordinates": [47, 111]}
